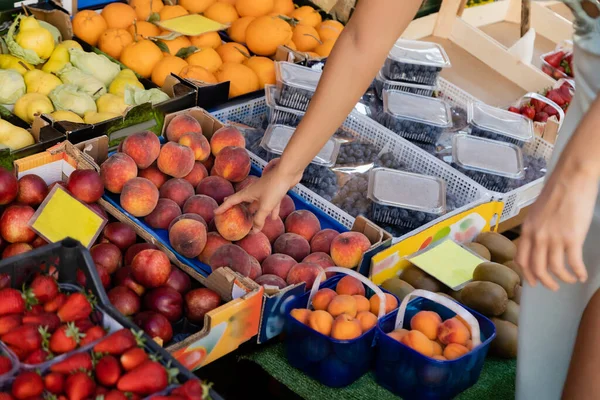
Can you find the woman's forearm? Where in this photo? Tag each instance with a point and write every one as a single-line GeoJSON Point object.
{"type": "Point", "coordinates": [355, 60]}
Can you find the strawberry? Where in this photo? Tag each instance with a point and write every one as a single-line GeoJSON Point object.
{"type": "Point", "coordinates": [114, 395]}
{"type": "Point", "coordinates": [9, 322]}
{"type": "Point", "coordinates": [5, 364]}
{"type": "Point", "coordinates": [79, 361]}
{"type": "Point", "coordinates": [25, 337]}
{"type": "Point", "coordinates": [27, 384]}
{"type": "Point", "coordinates": [36, 309]}
{"type": "Point", "coordinates": [92, 334]}
{"type": "Point", "coordinates": [550, 111]}
{"type": "Point", "coordinates": [541, 117]}
{"type": "Point", "coordinates": [20, 353]}
{"type": "Point", "coordinates": [513, 109]}
{"type": "Point", "coordinates": [65, 339]}
{"type": "Point", "coordinates": [559, 73]}
{"type": "Point", "coordinates": [83, 324]}
{"type": "Point", "coordinates": [171, 397]}
{"type": "Point", "coordinates": [119, 342]}
{"type": "Point", "coordinates": [148, 378]}
{"type": "Point", "coordinates": [37, 357]}
{"type": "Point", "coordinates": [555, 96]}
{"type": "Point", "coordinates": [6, 396]}
{"type": "Point", "coordinates": [133, 358]}
{"type": "Point", "coordinates": [54, 304]}
{"type": "Point", "coordinates": [527, 111]}
{"type": "Point", "coordinates": [54, 382]}
{"type": "Point", "coordinates": [76, 307]}
{"type": "Point", "coordinates": [554, 59]}
{"type": "Point", "coordinates": [100, 391]}
{"type": "Point", "coordinates": [193, 389]}
{"type": "Point", "coordinates": [538, 105]}
{"type": "Point", "coordinates": [11, 302]}
{"type": "Point", "coordinates": [79, 386]}
{"type": "Point", "coordinates": [5, 280]}
{"type": "Point", "coordinates": [108, 371]}
{"type": "Point", "coordinates": [44, 288]}
{"type": "Point", "coordinates": [49, 320]}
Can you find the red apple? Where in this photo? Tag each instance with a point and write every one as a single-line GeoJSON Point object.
{"type": "Point", "coordinates": [200, 301]}
{"type": "Point", "coordinates": [9, 187]}
{"type": "Point", "coordinates": [155, 325]}
{"type": "Point", "coordinates": [179, 281]}
{"type": "Point", "coordinates": [32, 190]}
{"type": "Point", "coordinates": [166, 301]}
{"type": "Point", "coordinates": [124, 300]}
{"type": "Point", "coordinates": [85, 185]}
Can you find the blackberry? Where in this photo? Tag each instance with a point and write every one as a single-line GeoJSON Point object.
{"type": "Point", "coordinates": [535, 168]}
{"type": "Point", "coordinates": [352, 197]}
{"type": "Point", "coordinates": [382, 84]}
{"type": "Point", "coordinates": [412, 73]}
{"type": "Point", "coordinates": [412, 130]}
{"type": "Point", "coordinates": [280, 117]}
{"type": "Point", "coordinates": [389, 160]}
{"type": "Point", "coordinates": [475, 131]}
{"type": "Point", "coordinates": [357, 153]}
{"type": "Point", "coordinates": [459, 119]}
{"type": "Point", "coordinates": [491, 182]}
{"type": "Point", "coordinates": [320, 180]}
{"type": "Point", "coordinates": [400, 217]}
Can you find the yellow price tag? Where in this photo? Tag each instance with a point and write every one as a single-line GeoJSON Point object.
{"type": "Point", "coordinates": [61, 216]}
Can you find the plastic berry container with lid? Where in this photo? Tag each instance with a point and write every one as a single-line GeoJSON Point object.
{"type": "Point", "coordinates": [381, 84]}
{"type": "Point", "coordinates": [295, 84]}
{"type": "Point", "coordinates": [405, 199]}
{"type": "Point", "coordinates": [497, 166]}
{"type": "Point", "coordinates": [277, 114]}
{"type": "Point", "coordinates": [418, 118]}
{"type": "Point", "coordinates": [415, 61]}
{"type": "Point", "coordinates": [499, 124]}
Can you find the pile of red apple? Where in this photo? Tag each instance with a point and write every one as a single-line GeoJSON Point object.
{"type": "Point", "coordinates": [539, 111]}
{"type": "Point", "coordinates": [170, 187]}
{"type": "Point", "coordinates": [560, 64]}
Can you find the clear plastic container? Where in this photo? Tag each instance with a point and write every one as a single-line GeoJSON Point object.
{"type": "Point", "coordinates": [566, 47]}
{"type": "Point", "coordinates": [405, 199]}
{"type": "Point", "coordinates": [6, 377]}
{"type": "Point", "coordinates": [410, 374]}
{"type": "Point", "coordinates": [498, 124]}
{"type": "Point", "coordinates": [414, 117]}
{"type": "Point", "coordinates": [381, 84]}
{"type": "Point", "coordinates": [277, 114]}
{"type": "Point", "coordinates": [296, 84]}
{"type": "Point", "coordinates": [415, 61]}
{"type": "Point", "coordinates": [497, 166]}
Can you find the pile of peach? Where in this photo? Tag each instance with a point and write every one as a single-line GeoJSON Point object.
{"type": "Point", "coordinates": [343, 314]}
{"type": "Point", "coordinates": [447, 340]}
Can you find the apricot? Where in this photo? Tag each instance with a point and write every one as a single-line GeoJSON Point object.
{"type": "Point", "coordinates": [366, 319]}
{"type": "Point", "coordinates": [139, 197]}
{"type": "Point", "coordinates": [418, 342]}
{"type": "Point", "coordinates": [118, 169]}
{"type": "Point", "coordinates": [303, 223]}
{"type": "Point", "coordinates": [301, 314]}
{"type": "Point", "coordinates": [453, 331]}
{"type": "Point", "coordinates": [437, 348]}
{"type": "Point", "coordinates": [303, 272]}
{"type": "Point", "coordinates": [178, 190]}
{"type": "Point", "coordinates": [224, 137]}
{"type": "Point", "coordinates": [143, 148]}
{"type": "Point", "coordinates": [235, 223]}
{"type": "Point", "coordinates": [321, 242]}
{"type": "Point", "coordinates": [293, 245]}
{"type": "Point", "coordinates": [348, 248]}
{"type": "Point", "coordinates": [176, 160]}
{"type": "Point", "coordinates": [321, 259]}
{"type": "Point", "coordinates": [278, 264]}
{"type": "Point", "coordinates": [188, 237]}
{"type": "Point", "coordinates": [362, 303]}
{"type": "Point", "coordinates": [322, 299]}
{"type": "Point", "coordinates": [216, 187]}
{"type": "Point", "coordinates": [346, 328]}
{"type": "Point", "coordinates": [198, 143]}
{"type": "Point", "coordinates": [273, 228]}
{"type": "Point", "coordinates": [164, 213]}
{"type": "Point", "coordinates": [427, 322]}
{"type": "Point", "coordinates": [232, 163]}
{"type": "Point", "coordinates": [181, 125]}
{"type": "Point", "coordinates": [321, 321]}
{"type": "Point", "coordinates": [342, 304]}
{"type": "Point", "coordinates": [154, 175]}
{"type": "Point", "coordinates": [454, 351]}
{"type": "Point", "coordinates": [232, 256]}
{"type": "Point", "coordinates": [390, 303]}
{"type": "Point", "coordinates": [202, 205]}
{"type": "Point", "coordinates": [398, 334]}
{"type": "Point", "coordinates": [286, 207]}
{"type": "Point", "coordinates": [350, 285]}
{"type": "Point", "coordinates": [257, 245]}
{"type": "Point", "coordinates": [196, 175]}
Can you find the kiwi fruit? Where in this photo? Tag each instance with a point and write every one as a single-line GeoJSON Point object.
{"type": "Point", "coordinates": [517, 268]}
{"type": "Point", "coordinates": [488, 298]}
{"type": "Point", "coordinates": [517, 297]}
{"type": "Point", "coordinates": [421, 280]}
{"type": "Point", "coordinates": [500, 247]}
{"type": "Point", "coordinates": [397, 287]}
{"type": "Point", "coordinates": [479, 249]}
{"type": "Point", "coordinates": [455, 294]}
{"type": "Point", "coordinates": [506, 342]}
{"type": "Point", "coordinates": [512, 313]}
{"type": "Point", "coordinates": [497, 273]}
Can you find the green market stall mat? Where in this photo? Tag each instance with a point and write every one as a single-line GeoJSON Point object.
{"type": "Point", "coordinates": [497, 380]}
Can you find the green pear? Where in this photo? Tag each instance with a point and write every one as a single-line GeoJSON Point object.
{"type": "Point", "coordinates": [14, 137]}
{"type": "Point", "coordinates": [59, 58]}
{"type": "Point", "coordinates": [124, 78]}
{"type": "Point", "coordinates": [40, 82]}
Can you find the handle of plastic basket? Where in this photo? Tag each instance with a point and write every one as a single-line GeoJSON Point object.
{"type": "Point", "coordinates": [537, 96]}
{"type": "Point", "coordinates": [354, 274]}
{"type": "Point", "coordinates": [452, 305]}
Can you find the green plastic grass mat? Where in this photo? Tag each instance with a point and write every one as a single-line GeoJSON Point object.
{"type": "Point", "coordinates": [497, 380]}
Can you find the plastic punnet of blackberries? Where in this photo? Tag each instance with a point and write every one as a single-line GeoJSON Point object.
{"type": "Point", "coordinates": [295, 84]}
{"type": "Point", "coordinates": [498, 124]}
{"type": "Point", "coordinates": [381, 84]}
{"type": "Point", "coordinates": [415, 61]}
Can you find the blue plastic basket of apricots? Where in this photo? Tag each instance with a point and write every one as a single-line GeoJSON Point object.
{"type": "Point", "coordinates": [431, 347]}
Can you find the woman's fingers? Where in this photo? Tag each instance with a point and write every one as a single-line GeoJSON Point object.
{"type": "Point", "coordinates": [523, 253]}
{"type": "Point", "coordinates": [260, 217]}
{"type": "Point", "coordinates": [575, 257]}
{"type": "Point", "coordinates": [556, 263]}
{"type": "Point", "coordinates": [539, 263]}
{"type": "Point", "coordinates": [240, 197]}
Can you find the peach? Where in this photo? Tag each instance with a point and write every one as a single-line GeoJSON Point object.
{"type": "Point", "coordinates": [398, 334]}
{"type": "Point", "coordinates": [348, 248]}
{"type": "Point", "coordinates": [224, 137]}
{"type": "Point", "coordinates": [213, 242]}
{"type": "Point", "coordinates": [198, 143]}
{"type": "Point", "coordinates": [427, 322]}
{"type": "Point", "coordinates": [278, 264]}
{"type": "Point", "coordinates": [198, 173]}
{"type": "Point", "coordinates": [321, 321]}
{"type": "Point", "coordinates": [85, 185]}
{"type": "Point", "coordinates": [232, 163]}
{"type": "Point", "coordinates": [453, 331]}
{"type": "Point", "coordinates": [188, 237]}
{"type": "Point", "coordinates": [151, 268]}
{"type": "Point", "coordinates": [154, 175]}
{"type": "Point", "coordinates": [135, 249]}
{"type": "Point", "coordinates": [301, 314]}
{"type": "Point", "coordinates": [235, 223]}
{"type": "Point", "coordinates": [303, 223]}
{"type": "Point", "coordinates": [120, 234]}
{"type": "Point", "coordinates": [202, 205]}
{"type": "Point", "coordinates": [273, 228]}
{"type": "Point", "coordinates": [321, 242]}
{"type": "Point", "coordinates": [178, 190]}
{"type": "Point", "coordinates": [366, 319]}
{"type": "Point", "coordinates": [454, 351]}
{"type": "Point", "coordinates": [32, 190]}
{"type": "Point", "coordinates": [437, 348]}
{"type": "Point", "coordinates": [362, 303]}
{"type": "Point", "coordinates": [257, 245]}
{"type": "Point", "coordinates": [322, 299]}
{"type": "Point", "coordinates": [342, 304]}
{"type": "Point", "coordinates": [232, 256]}
{"type": "Point", "coordinates": [143, 147]}
{"type": "Point", "coordinates": [303, 272]}
{"type": "Point", "coordinates": [350, 285]}
{"type": "Point", "coordinates": [176, 160]}
{"type": "Point", "coordinates": [108, 255]}
{"type": "Point", "coordinates": [216, 187]}
{"type": "Point", "coordinates": [271, 280]}
{"type": "Point", "coordinates": [418, 342]}
{"type": "Point", "coordinates": [164, 213]}
{"type": "Point", "coordinates": [390, 303]}
{"type": "Point", "coordinates": [293, 245]}
{"type": "Point", "coordinates": [180, 125]}
{"type": "Point", "coordinates": [195, 217]}
{"type": "Point", "coordinates": [255, 269]}
{"type": "Point", "coordinates": [286, 207]}
{"type": "Point", "coordinates": [14, 224]}
{"type": "Point", "coordinates": [15, 249]}
{"type": "Point", "coordinates": [345, 327]}
{"type": "Point", "coordinates": [139, 197]}
{"type": "Point", "coordinates": [209, 162]}
{"type": "Point", "coordinates": [118, 169]}
{"type": "Point", "coordinates": [245, 183]}
{"type": "Point", "coordinates": [321, 259]}
{"type": "Point", "coordinates": [38, 242]}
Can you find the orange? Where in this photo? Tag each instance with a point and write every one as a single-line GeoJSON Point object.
{"type": "Point", "coordinates": [232, 2]}
{"type": "Point", "coordinates": [180, 42]}
{"type": "Point", "coordinates": [170, 12]}
{"type": "Point", "coordinates": [88, 26]}
{"type": "Point", "coordinates": [307, 15]}
{"type": "Point", "coordinates": [283, 7]}
{"type": "Point", "coordinates": [144, 29]}
{"type": "Point", "coordinates": [330, 29]}
{"type": "Point", "coordinates": [264, 68]}
{"type": "Point", "coordinates": [265, 34]}
{"type": "Point", "coordinates": [196, 6]}
{"type": "Point", "coordinates": [119, 15]}
{"type": "Point", "coordinates": [143, 8]}
{"type": "Point", "coordinates": [233, 52]}
{"type": "Point", "coordinates": [206, 58]}
{"type": "Point", "coordinates": [141, 57]}
{"type": "Point", "coordinates": [166, 66]}
{"type": "Point", "coordinates": [242, 79]}
{"type": "Point", "coordinates": [237, 30]}
{"type": "Point", "coordinates": [209, 39]}
{"type": "Point", "coordinates": [221, 12]}
{"type": "Point", "coordinates": [324, 49]}
{"type": "Point", "coordinates": [197, 73]}
{"type": "Point", "coordinates": [291, 45]}
{"type": "Point", "coordinates": [305, 38]}
{"type": "Point", "coordinates": [113, 41]}
{"type": "Point", "coordinates": [254, 8]}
